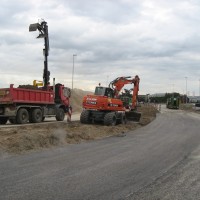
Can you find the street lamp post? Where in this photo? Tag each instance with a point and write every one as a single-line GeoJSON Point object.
{"type": "Point", "coordinates": [73, 71]}
{"type": "Point", "coordinates": [199, 87]}
{"type": "Point", "coordinates": [186, 89]}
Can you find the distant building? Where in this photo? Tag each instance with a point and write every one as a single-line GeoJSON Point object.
{"type": "Point", "coordinates": [157, 95]}
{"type": "Point", "coordinates": [157, 98]}
{"type": "Point", "coordinates": [194, 99]}
{"type": "Point", "coordinates": [162, 97]}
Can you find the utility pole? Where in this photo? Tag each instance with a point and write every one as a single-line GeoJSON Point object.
{"type": "Point", "coordinates": [199, 87]}
{"type": "Point", "coordinates": [186, 89]}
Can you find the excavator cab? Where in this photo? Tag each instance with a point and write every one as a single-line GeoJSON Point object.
{"type": "Point", "coordinates": [104, 91]}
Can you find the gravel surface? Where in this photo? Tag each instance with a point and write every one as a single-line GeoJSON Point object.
{"type": "Point", "coordinates": [182, 182]}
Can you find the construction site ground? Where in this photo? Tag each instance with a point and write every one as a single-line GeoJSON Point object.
{"type": "Point", "coordinates": [30, 137]}
{"type": "Point", "coordinates": [16, 139]}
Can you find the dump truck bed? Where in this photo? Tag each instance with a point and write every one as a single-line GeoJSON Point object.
{"type": "Point", "coordinates": [20, 95]}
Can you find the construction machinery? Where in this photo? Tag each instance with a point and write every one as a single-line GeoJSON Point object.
{"type": "Point", "coordinates": [173, 102]}
{"type": "Point", "coordinates": [106, 105]}
{"type": "Point", "coordinates": [30, 103]}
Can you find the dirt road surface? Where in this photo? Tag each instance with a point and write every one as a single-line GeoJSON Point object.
{"type": "Point", "coordinates": [22, 138]}
{"type": "Point", "coordinates": [156, 161]}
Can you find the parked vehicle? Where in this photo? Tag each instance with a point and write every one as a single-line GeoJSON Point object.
{"type": "Point", "coordinates": [31, 103]}
{"type": "Point", "coordinates": [173, 102]}
{"type": "Point", "coordinates": [107, 106]}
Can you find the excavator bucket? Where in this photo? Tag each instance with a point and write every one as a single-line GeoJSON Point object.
{"type": "Point", "coordinates": [133, 116]}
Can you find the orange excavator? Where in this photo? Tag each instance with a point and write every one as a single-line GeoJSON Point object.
{"type": "Point", "coordinates": [107, 105]}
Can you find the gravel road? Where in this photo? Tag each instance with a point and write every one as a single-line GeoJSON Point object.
{"type": "Point", "coordinates": [181, 182]}
{"type": "Point", "coordinates": [158, 161]}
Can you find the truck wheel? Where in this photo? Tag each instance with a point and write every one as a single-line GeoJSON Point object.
{"type": "Point", "coordinates": [60, 115]}
{"type": "Point", "coordinates": [3, 120]}
{"type": "Point", "coordinates": [85, 117]}
{"type": "Point", "coordinates": [22, 116]}
{"type": "Point", "coordinates": [110, 119]}
{"type": "Point", "coordinates": [36, 116]}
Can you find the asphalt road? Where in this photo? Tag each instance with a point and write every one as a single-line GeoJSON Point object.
{"type": "Point", "coordinates": [158, 161]}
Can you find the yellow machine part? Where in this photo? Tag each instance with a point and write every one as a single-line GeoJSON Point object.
{"type": "Point", "coordinates": [37, 83]}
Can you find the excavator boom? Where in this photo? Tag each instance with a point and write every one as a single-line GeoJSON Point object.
{"type": "Point", "coordinates": [120, 82]}
{"type": "Point", "coordinates": [131, 114]}
{"type": "Point", "coordinates": [135, 92]}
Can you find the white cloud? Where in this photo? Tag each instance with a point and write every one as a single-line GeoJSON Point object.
{"type": "Point", "coordinates": [156, 39]}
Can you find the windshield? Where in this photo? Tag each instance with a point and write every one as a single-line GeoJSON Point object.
{"type": "Point", "coordinates": [100, 91]}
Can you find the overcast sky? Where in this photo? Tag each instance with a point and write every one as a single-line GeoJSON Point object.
{"type": "Point", "coordinates": [157, 40]}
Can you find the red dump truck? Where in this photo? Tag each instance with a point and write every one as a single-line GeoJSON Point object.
{"type": "Point", "coordinates": [20, 105]}
{"type": "Point", "coordinates": [30, 103]}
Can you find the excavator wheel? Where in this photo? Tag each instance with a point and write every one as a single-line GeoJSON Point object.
{"type": "Point", "coordinates": [133, 116]}
{"type": "Point", "coordinates": [85, 117]}
{"type": "Point", "coordinates": [110, 119]}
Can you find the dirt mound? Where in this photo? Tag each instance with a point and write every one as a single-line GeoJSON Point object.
{"type": "Point", "coordinates": [76, 99]}
{"type": "Point", "coordinates": [19, 139]}
{"type": "Point", "coordinates": [148, 113]}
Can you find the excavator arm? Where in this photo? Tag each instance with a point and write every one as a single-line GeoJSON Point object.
{"type": "Point", "coordinates": [136, 82]}
{"type": "Point", "coordinates": [120, 82]}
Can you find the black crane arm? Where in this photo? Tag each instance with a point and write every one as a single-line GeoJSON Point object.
{"type": "Point", "coordinates": [43, 33]}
